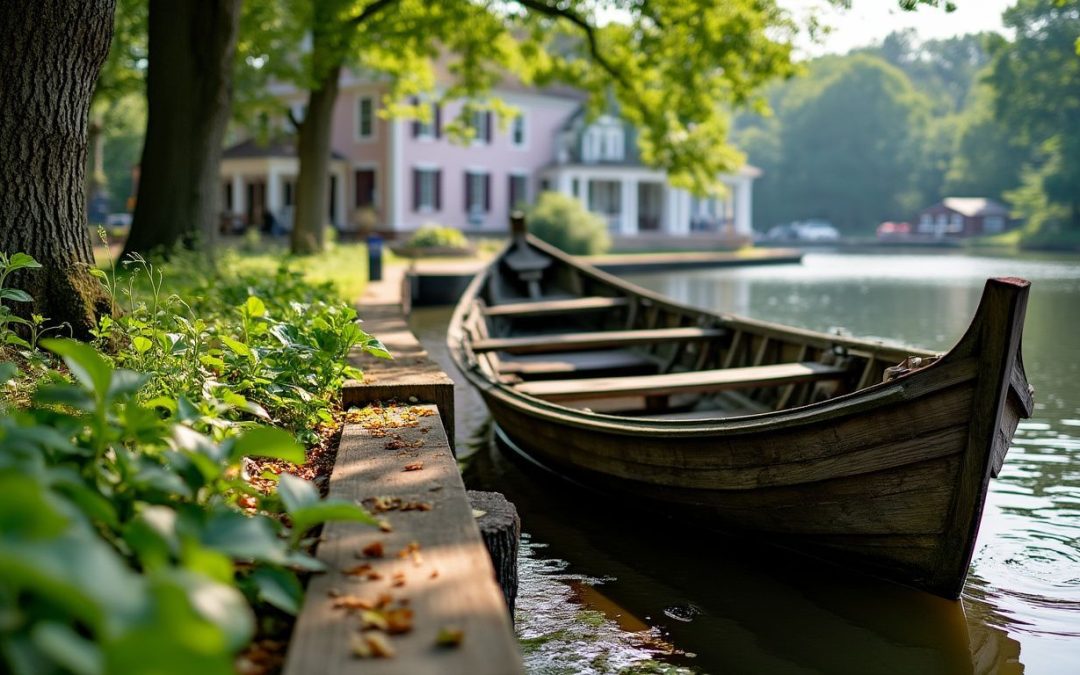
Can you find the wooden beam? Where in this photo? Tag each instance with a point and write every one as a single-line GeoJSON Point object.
{"type": "Point", "coordinates": [680, 383]}
{"type": "Point", "coordinates": [546, 307]}
{"type": "Point", "coordinates": [569, 363]}
{"type": "Point", "coordinates": [433, 562]}
{"type": "Point", "coordinates": [565, 342]}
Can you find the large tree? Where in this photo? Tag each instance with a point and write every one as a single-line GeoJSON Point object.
{"type": "Point", "coordinates": [1036, 78]}
{"type": "Point", "coordinates": [50, 54]}
{"type": "Point", "coordinates": [189, 94]}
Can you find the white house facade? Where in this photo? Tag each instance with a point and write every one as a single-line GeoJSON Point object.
{"type": "Point", "coordinates": [402, 173]}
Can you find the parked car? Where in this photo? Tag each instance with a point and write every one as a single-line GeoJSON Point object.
{"type": "Point", "coordinates": [889, 230]}
{"type": "Point", "coordinates": [805, 230]}
{"type": "Point", "coordinates": [118, 220]}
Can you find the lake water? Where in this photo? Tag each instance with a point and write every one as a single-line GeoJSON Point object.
{"type": "Point", "coordinates": [609, 589]}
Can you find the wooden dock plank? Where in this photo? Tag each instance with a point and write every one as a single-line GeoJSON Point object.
{"type": "Point", "coordinates": [563, 342]}
{"type": "Point", "coordinates": [679, 383]}
{"type": "Point", "coordinates": [409, 375]}
{"type": "Point", "coordinates": [452, 582]}
{"type": "Point", "coordinates": [544, 308]}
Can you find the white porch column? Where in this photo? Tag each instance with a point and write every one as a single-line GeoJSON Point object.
{"type": "Point", "coordinates": [273, 190]}
{"type": "Point", "coordinates": [563, 185]}
{"type": "Point", "coordinates": [628, 192]}
{"type": "Point", "coordinates": [238, 196]}
{"type": "Point", "coordinates": [743, 205]}
{"type": "Point", "coordinates": [671, 210]}
{"type": "Point", "coordinates": [395, 169]}
{"type": "Point", "coordinates": [683, 211]}
{"type": "Point", "coordinates": [583, 190]}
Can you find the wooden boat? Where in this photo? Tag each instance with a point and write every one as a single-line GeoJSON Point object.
{"type": "Point", "coordinates": [869, 455]}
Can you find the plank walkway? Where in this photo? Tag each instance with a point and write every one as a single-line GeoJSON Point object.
{"type": "Point", "coordinates": [443, 576]}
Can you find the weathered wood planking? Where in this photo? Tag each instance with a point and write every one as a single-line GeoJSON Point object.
{"type": "Point", "coordinates": [555, 307]}
{"type": "Point", "coordinates": [410, 375]}
{"type": "Point", "coordinates": [452, 584]}
{"type": "Point", "coordinates": [575, 362]}
{"type": "Point", "coordinates": [674, 383]}
{"type": "Point", "coordinates": [844, 465]}
{"type": "Point", "coordinates": [541, 344]}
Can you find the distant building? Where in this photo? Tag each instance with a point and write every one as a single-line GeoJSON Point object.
{"type": "Point", "coordinates": [408, 172]}
{"type": "Point", "coordinates": [963, 217]}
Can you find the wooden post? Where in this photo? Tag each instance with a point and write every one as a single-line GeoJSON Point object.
{"type": "Point", "coordinates": [500, 528]}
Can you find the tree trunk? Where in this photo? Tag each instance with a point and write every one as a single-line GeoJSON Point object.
{"type": "Point", "coordinates": [51, 52]}
{"type": "Point", "coordinates": [189, 98]}
{"type": "Point", "coordinates": [313, 179]}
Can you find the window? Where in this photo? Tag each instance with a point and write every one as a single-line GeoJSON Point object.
{"type": "Point", "coordinates": [575, 187]}
{"type": "Point", "coordinates": [517, 131]}
{"type": "Point", "coordinates": [481, 125]}
{"type": "Point", "coordinates": [365, 118]}
{"type": "Point", "coordinates": [430, 129]}
{"type": "Point", "coordinates": [427, 189]}
{"type": "Point", "coordinates": [290, 185]}
{"type": "Point", "coordinates": [477, 192]}
{"type": "Point", "coordinates": [604, 141]}
{"type": "Point", "coordinates": [993, 224]}
{"type": "Point", "coordinates": [519, 187]}
{"type": "Point", "coordinates": [365, 187]}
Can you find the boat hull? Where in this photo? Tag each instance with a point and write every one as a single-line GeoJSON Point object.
{"type": "Point", "coordinates": [889, 479]}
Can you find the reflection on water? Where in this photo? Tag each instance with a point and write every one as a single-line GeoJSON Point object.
{"type": "Point", "coordinates": [635, 594]}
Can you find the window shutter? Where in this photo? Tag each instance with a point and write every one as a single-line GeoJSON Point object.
{"type": "Point", "coordinates": [487, 192]}
{"type": "Point", "coordinates": [416, 189]}
{"type": "Point", "coordinates": [415, 123]}
{"type": "Point", "coordinates": [468, 191]}
{"type": "Point", "coordinates": [438, 120]}
{"type": "Point", "coordinates": [487, 126]}
{"type": "Point", "coordinates": [438, 190]}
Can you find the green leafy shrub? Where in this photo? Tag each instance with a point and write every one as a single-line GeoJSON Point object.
{"type": "Point", "coordinates": [432, 235]}
{"type": "Point", "coordinates": [563, 222]}
{"type": "Point", "coordinates": [123, 545]}
{"type": "Point", "coordinates": [135, 535]}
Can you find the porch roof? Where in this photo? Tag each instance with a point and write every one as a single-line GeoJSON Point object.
{"type": "Point", "coordinates": [275, 148]}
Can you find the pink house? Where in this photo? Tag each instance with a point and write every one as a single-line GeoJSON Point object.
{"type": "Point", "coordinates": [405, 172]}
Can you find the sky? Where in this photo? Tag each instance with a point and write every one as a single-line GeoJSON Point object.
{"type": "Point", "coordinates": [869, 21]}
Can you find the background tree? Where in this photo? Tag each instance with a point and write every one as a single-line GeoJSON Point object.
{"type": "Point", "coordinates": [1036, 81]}
{"type": "Point", "coordinates": [50, 54]}
{"type": "Point", "coordinates": [121, 80]}
{"type": "Point", "coordinates": [189, 92]}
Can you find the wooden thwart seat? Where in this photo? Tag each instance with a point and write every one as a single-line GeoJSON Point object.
{"type": "Point", "coordinates": [548, 307]}
{"type": "Point", "coordinates": [568, 363]}
{"type": "Point", "coordinates": [572, 342]}
{"type": "Point", "coordinates": [680, 383]}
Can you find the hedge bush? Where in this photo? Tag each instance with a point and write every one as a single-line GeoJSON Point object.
{"type": "Point", "coordinates": [563, 222]}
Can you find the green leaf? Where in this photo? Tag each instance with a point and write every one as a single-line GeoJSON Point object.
{"type": "Point", "coordinates": [126, 383]}
{"type": "Point", "coordinates": [296, 493]}
{"type": "Point", "coordinates": [268, 442]}
{"type": "Point", "coordinates": [67, 648]}
{"type": "Point", "coordinates": [237, 346]}
{"type": "Point", "coordinates": [99, 273]}
{"type": "Point", "coordinates": [7, 371]}
{"type": "Point", "coordinates": [86, 364]}
{"type": "Point", "coordinates": [20, 261]}
{"type": "Point", "coordinates": [13, 339]}
{"type": "Point", "coordinates": [279, 587]}
{"type": "Point", "coordinates": [141, 344]}
{"type": "Point", "coordinates": [254, 307]}
{"type": "Point", "coordinates": [244, 537]}
{"type": "Point", "coordinates": [16, 294]}
{"type": "Point", "coordinates": [307, 517]}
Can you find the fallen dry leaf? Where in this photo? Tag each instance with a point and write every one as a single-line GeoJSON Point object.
{"type": "Point", "coordinates": [353, 602]}
{"type": "Point", "coordinates": [477, 513]}
{"type": "Point", "coordinates": [399, 620]}
{"type": "Point", "coordinates": [385, 526]}
{"type": "Point", "coordinates": [372, 644]}
{"type": "Point", "coordinates": [373, 550]}
{"type": "Point", "coordinates": [414, 466]}
{"type": "Point", "coordinates": [398, 579]}
{"type": "Point", "coordinates": [450, 637]}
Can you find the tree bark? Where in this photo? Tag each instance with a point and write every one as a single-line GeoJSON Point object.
{"type": "Point", "coordinates": [189, 99]}
{"type": "Point", "coordinates": [51, 52]}
{"type": "Point", "coordinates": [313, 177]}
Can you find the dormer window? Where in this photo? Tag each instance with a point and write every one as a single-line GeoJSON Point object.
{"type": "Point", "coordinates": [604, 141]}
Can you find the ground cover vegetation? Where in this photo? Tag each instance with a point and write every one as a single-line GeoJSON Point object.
{"type": "Point", "coordinates": [882, 132]}
{"type": "Point", "coordinates": [151, 500]}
